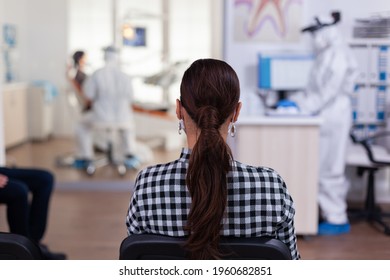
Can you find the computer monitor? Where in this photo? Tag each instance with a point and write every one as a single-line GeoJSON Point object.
{"type": "Point", "coordinates": [284, 71]}
{"type": "Point", "coordinates": [134, 36]}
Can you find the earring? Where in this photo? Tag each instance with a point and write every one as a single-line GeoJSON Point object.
{"type": "Point", "coordinates": [181, 126]}
{"type": "Point", "coordinates": [232, 129]}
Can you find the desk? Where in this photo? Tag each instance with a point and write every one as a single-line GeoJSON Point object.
{"type": "Point", "coordinates": [160, 126]}
{"type": "Point", "coordinates": [291, 147]}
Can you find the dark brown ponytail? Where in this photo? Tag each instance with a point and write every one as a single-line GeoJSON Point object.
{"type": "Point", "coordinates": [209, 93]}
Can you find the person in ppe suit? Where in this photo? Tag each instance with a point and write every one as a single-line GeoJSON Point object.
{"type": "Point", "coordinates": [110, 93]}
{"type": "Point", "coordinates": [328, 94]}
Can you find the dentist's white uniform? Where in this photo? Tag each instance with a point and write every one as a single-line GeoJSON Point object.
{"type": "Point", "coordinates": [111, 93]}
{"type": "Point", "coordinates": [328, 94]}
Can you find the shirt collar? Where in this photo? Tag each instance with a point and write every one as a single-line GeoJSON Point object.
{"type": "Point", "coordinates": [185, 154]}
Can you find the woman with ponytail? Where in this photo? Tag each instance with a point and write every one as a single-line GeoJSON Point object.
{"type": "Point", "coordinates": [206, 194]}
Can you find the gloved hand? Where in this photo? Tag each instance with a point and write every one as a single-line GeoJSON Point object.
{"type": "Point", "coordinates": [286, 103]}
{"type": "Point", "coordinates": [287, 107]}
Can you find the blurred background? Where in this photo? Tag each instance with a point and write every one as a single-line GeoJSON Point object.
{"type": "Point", "coordinates": [157, 40]}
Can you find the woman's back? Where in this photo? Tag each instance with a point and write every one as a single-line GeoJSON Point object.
{"type": "Point", "coordinates": [258, 203]}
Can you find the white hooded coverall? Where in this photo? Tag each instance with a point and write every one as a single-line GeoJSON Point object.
{"type": "Point", "coordinates": [111, 93]}
{"type": "Point", "coordinates": [328, 94]}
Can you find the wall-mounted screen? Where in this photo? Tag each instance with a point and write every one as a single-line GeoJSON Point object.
{"type": "Point", "coordinates": [134, 36]}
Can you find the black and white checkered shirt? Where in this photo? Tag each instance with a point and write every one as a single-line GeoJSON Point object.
{"type": "Point", "coordinates": [258, 203]}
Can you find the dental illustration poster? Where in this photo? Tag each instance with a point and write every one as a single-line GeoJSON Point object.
{"type": "Point", "coordinates": [267, 20]}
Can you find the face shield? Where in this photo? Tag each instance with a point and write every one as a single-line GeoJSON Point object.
{"type": "Point", "coordinates": [325, 38]}
{"type": "Point", "coordinates": [324, 32]}
{"type": "Point", "coordinates": [110, 55]}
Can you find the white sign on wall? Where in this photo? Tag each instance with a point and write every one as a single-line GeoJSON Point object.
{"type": "Point", "coordinates": [267, 21]}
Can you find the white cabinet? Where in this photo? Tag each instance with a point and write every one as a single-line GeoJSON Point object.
{"type": "Point", "coordinates": [371, 107]}
{"type": "Point", "coordinates": [28, 113]}
{"type": "Point", "coordinates": [40, 113]}
{"type": "Point", "coordinates": [15, 114]}
{"type": "Point", "coordinates": [370, 99]}
{"type": "Point", "coordinates": [291, 147]}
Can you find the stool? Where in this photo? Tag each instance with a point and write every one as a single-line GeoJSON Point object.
{"type": "Point", "coordinates": [112, 130]}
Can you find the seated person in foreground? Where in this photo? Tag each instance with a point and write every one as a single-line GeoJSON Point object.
{"type": "Point", "coordinates": [26, 216]}
{"type": "Point", "coordinates": [206, 193]}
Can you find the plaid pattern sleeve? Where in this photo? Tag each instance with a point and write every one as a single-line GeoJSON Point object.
{"type": "Point", "coordinates": [258, 203]}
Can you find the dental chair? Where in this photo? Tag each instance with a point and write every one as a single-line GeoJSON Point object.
{"type": "Point", "coordinates": [368, 158]}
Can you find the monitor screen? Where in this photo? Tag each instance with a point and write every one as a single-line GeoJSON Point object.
{"type": "Point", "coordinates": [134, 36]}
{"type": "Point", "coordinates": [284, 71]}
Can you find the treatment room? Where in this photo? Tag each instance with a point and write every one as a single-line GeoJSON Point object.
{"type": "Point", "coordinates": [93, 93]}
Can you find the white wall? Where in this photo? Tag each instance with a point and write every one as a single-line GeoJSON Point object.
{"type": "Point", "coordinates": [46, 49]}
{"type": "Point", "coordinates": [90, 29]}
{"type": "Point", "coordinates": [41, 38]}
{"type": "Point", "coordinates": [217, 15]}
{"type": "Point", "coordinates": [191, 25]}
{"type": "Point", "coordinates": [41, 44]}
{"type": "Point", "coordinates": [191, 28]}
{"type": "Point", "coordinates": [15, 14]}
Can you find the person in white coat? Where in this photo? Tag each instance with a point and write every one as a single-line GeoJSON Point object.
{"type": "Point", "coordinates": [110, 93]}
{"type": "Point", "coordinates": [328, 95]}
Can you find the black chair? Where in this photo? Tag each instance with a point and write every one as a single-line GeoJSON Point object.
{"type": "Point", "coordinates": [369, 157]}
{"type": "Point", "coordinates": [18, 247]}
{"type": "Point", "coordinates": [159, 247]}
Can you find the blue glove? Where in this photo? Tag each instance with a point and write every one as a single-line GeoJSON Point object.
{"type": "Point", "coordinates": [286, 103]}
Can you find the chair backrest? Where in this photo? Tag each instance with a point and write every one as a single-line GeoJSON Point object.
{"type": "Point", "coordinates": [18, 247]}
{"type": "Point", "coordinates": [157, 247]}
{"type": "Point", "coordinates": [365, 153]}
